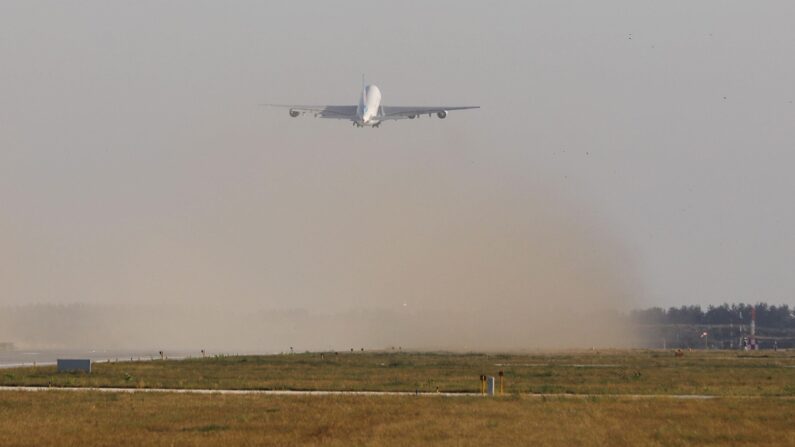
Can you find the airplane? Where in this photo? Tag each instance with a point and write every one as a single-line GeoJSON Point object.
{"type": "Point", "coordinates": [370, 112]}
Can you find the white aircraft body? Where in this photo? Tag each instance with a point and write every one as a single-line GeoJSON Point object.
{"type": "Point", "coordinates": [369, 112]}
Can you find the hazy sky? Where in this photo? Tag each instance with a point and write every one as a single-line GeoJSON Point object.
{"type": "Point", "coordinates": [135, 164]}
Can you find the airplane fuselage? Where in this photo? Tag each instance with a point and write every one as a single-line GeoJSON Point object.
{"type": "Point", "coordinates": [369, 108]}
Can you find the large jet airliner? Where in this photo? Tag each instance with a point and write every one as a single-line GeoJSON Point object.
{"type": "Point", "coordinates": [370, 111]}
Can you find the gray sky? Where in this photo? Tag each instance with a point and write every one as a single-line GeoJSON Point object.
{"type": "Point", "coordinates": [135, 164]}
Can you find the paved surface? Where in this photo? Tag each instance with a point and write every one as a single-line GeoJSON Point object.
{"type": "Point", "coordinates": [572, 365]}
{"type": "Point", "coordinates": [241, 392]}
{"type": "Point", "coordinates": [374, 393]}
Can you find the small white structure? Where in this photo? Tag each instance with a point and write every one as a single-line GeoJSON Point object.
{"type": "Point", "coordinates": [491, 385]}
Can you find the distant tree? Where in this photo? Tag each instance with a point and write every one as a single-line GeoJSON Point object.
{"type": "Point", "coordinates": [719, 315]}
{"type": "Point", "coordinates": [779, 317]}
{"type": "Point", "coordinates": [743, 313]}
{"type": "Point", "coordinates": [654, 315]}
{"type": "Point", "coordinates": [685, 315]}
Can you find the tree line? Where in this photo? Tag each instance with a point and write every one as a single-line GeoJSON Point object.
{"type": "Point", "coordinates": [767, 316]}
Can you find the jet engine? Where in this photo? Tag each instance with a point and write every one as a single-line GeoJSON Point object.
{"type": "Point", "coordinates": [294, 113]}
{"type": "Point", "coordinates": [442, 114]}
{"type": "Point", "coordinates": [411, 117]}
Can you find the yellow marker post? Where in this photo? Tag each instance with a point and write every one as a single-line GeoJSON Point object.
{"type": "Point", "coordinates": [501, 387]}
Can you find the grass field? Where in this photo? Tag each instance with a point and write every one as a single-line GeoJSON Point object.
{"type": "Point", "coordinates": [113, 419]}
{"type": "Point", "coordinates": [722, 373]}
{"type": "Point", "coordinates": [756, 407]}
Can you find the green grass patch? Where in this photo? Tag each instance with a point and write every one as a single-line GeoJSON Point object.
{"type": "Point", "coordinates": [725, 373]}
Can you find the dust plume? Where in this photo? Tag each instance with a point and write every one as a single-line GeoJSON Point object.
{"type": "Point", "coordinates": [484, 272]}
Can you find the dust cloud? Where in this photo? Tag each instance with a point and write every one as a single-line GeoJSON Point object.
{"type": "Point", "coordinates": [433, 271]}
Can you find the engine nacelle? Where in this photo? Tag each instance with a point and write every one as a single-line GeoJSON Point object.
{"type": "Point", "coordinates": [442, 114]}
{"type": "Point", "coordinates": [411, 117]}
{"type": "Point", "coordinates": [294, 113]}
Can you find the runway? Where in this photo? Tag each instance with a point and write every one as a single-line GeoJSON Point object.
{"type": "Point", "coordinates": [235, 392]}
{"type": "Point", "coordinates": [377, 393]}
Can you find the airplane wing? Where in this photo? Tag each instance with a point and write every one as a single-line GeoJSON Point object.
{"type": "Point", "coordinates": [410, 112]}
{"type": "Point", "coordinates": [333, 112]}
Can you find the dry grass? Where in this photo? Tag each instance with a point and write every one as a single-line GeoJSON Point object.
{"type": "Point", "coordinates": [90, 418]}
{"type": "Point", "coordinates": [722, 373]}
{"type": "Point", "coordinates": [67, 418]}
